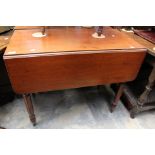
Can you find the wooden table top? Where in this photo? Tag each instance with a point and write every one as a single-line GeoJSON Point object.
{"type": "Point", "coordinates": [27, 27]}
{"type": "Point", "coordinates": [150, 46]}
{"type": "Point", "coordinates": [68, 39]}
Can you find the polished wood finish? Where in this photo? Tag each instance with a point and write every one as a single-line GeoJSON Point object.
{"type": "Point", "coordinates": [27, 27]}
{"type": "Point", "coordinates": [148, 45]}
{"type": "Point", "coordinates": [49, 72]}
{"type": "Point", "coordinates": [70, 57]}
{"type": "Point", "coordinates": [68, 39]}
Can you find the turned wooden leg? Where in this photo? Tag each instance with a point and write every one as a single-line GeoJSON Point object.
{"type": "Point", "coordinates": [151, 82]}
{"type": "Point", "coordinates": [144, 96]}
{"type": "Point", "coordinates": [29, 106]}
{"type": "Point", "coordinates": [117, 97]}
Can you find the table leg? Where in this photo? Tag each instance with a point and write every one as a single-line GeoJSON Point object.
{"type": "Point", "coordinates": [29, 106]}
{"type": "Point", "coordinates": [117, 97]}
{"type": "Point", "coordinates": [144, 96]}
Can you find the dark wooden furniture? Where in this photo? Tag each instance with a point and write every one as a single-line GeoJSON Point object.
{"type": "Point", "coordinates": [6, 92]}
{"type": "Point", "coordinates": [140, 102]}
{"type": "Point", "coordinates": [69, 57]}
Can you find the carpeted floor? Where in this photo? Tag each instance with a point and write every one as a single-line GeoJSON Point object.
{"type": "Point", "coordinates": [74, 108]}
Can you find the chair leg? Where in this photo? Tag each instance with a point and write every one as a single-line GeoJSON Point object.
{"type": "Point", "coordinates": [29, 106]}
{"type": "Point", "coordinates": [117, 97]}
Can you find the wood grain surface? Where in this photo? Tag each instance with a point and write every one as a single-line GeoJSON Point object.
{"type": "Point", "coordinates": [68, 39]}
{"type": "Point", "coordinates": [71, 58]}
{"type": "Point", "coordinates": [145, 43]}
{"type": "Point", "coordinates": [44, 73]}
{"type": "Point", "coordinates": [27, 27]}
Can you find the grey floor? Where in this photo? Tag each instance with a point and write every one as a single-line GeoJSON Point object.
{"type": "Point", "coordinates": [74, 108]}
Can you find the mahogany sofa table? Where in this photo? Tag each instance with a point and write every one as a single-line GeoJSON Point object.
{"type": "Point", "coordinates": [69, 57]}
